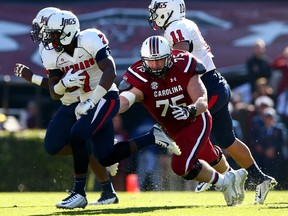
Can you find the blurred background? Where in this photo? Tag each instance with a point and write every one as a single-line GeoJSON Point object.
{"type": "Point", "coordinates": [231, 28]}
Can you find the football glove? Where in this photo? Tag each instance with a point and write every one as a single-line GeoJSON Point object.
{"type": "Point", "coordinates": [72, 80]}
{"type": "Point", "coordinates": [18, 69]}
{"type": "Point", "coordinates": [83, 107]}
{"type": "Point", "coordinates": [183, 112]}
{"type": "Point", "coordinates": [22, 70]}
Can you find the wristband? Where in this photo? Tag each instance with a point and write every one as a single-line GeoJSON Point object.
{"type": "Point", "coordinates": [59, 88]}
{"type": "Point", "coordinates": [98, 93]}
{"type": "Point", "coordinates": [129, 96]}
{"type": "Point", "coordinates": [36, 79]}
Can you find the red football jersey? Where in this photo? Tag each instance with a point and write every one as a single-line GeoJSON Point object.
{"type": "Point", "coordinates": [160, 93]}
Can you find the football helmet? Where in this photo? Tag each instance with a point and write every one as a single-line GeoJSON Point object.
{"type": "Point", "coordinates": [61, 29]}
{"type": "Point", "coordinates": [39, 21]}
{"type": "Point", "coordinates": [163, 12]}
{"type": "Point", "coordinates": [156, 48]}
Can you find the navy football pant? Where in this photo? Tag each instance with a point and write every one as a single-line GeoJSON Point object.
{"type": "Point", "coordinates": [58, 131]}
{"type": "Point", "coordinates": [219, 94]}
{"type": "Point", "coordinates": [97, 125]}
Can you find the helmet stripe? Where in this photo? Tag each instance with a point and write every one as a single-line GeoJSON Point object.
{"type": "Point", "coordinates": [154, 46]}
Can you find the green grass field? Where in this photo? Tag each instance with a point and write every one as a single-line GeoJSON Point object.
{"type": "Point", "coordinates": [146, 203]}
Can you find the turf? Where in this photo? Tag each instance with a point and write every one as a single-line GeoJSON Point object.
{"type": "Point", "coordinates": [146, 203]}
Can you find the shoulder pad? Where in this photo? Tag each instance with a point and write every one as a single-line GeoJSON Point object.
{"type": "Point", "coordinates": [124, 86]}
{"type": "Point", "coordinates": [92, 40]}
{"type": "Point", "coordinates": [200, 67]}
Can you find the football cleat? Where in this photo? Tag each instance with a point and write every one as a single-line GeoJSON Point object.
{"type": "Point", "coordinates": [228, 188]}
{"type": "Point", "coordinates": [164, 141]}
{"type": "Point", "coordinates": [113, 169]}
{"type": "Point", "coordinates": [202, 186]}
{"type": "Point", "coordinates": [241, 176]}
{"type": "Point", "coordinates": [106, 199]}
{"type": "Point", "coordinates": [262, 189]}
{"type": "Point", "coordinates": [74, 200]}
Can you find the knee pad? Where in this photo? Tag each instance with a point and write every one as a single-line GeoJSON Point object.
{"type": "Point", "coordinates": [193, 173]}
{"type": "Point", "coordinates": [219, 152]}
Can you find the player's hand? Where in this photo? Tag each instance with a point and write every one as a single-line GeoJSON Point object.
{"type": "Point", "coordinates": [23, 71]}
{"type": "Point", "coordinates": [180, 112]}
{"type": "Point", "coordinates": [76, 113]}
{"type": "Point", "coordinates": [73, 79]}
{"type": "Point", "coordinates": [83, 107]}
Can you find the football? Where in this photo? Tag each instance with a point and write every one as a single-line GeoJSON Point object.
{"type": "Point", "coordinates": [71, 89]}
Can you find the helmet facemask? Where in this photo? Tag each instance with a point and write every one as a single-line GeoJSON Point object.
{"type": "Point", "coordinates": [52, 39]}
{"type": "Point", "coordinates": [35, 32]}
{"type": "Point", "coordinates": [157, 73]}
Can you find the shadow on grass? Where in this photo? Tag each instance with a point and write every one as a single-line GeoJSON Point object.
{"type": "Point", "coordinates": [125, 210]}
{"type": "Point", "coordinates": [278, 205]}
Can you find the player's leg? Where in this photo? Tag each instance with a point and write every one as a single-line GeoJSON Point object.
{"type": "Point", "coordinates": [219, 94]}
{"type": "Point", "coordinates": [124, 149]}
{"type": "Point", "coordinates": [223, 132]}
{"type": "Point", "coordinates": [86, 128]}
{"type": "Point", "coordinates": [227, 184]}
{"type": "Point", "coordinates": [222, 166]}
{"type": "Point", "coordinates": [56, 141]}
{"type": "Point", "coordinates": [194, 143]}
{"type": "Point", "coordinates": [242, 155]}
{"type": "Point", "coordinates": [108, 195]}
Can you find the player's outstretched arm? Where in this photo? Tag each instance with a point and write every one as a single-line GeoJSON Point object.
{"type": "Point", "coordinates": [23, 71]}
{"type": "Point", "coordinates": [128, 98]}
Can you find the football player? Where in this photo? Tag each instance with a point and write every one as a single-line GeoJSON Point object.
{"type": "Point", "coordinates": [56, 140]}
{"type": "Point", "coordinates": [168, 85]}
{"type": "Point", "coordinates": [88, 54]}
{"type": "Point", "coordinates": [182, 33]}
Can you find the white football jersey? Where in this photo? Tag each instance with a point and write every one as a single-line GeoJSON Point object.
{"type": "Point", "coordinates": [187, 30]}
{"type": "Point", "coordinates": [89, 42]}
{"type": "Point", "coordinates": [68, 97]}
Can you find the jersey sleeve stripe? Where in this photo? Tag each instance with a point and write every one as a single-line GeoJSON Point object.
{"type": "Point", "coordinates": [137, 75]}
{"type": "Point", "coordinates": [188, 64]}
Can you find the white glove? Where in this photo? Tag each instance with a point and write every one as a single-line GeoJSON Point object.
{"type": "Point", "coordinates": [183, 112]}
{"type": "Point", "coordinates": [72, 80]}
{"type": "Point", "coordinates": [83, 107]}
{"type": "Point", "coordinates": [76, 112]}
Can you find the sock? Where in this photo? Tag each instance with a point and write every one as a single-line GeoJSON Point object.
{"type": "Point", "coordinates": [80, 155]}
{"type": "Point", "coordinates": [122, 150]}
{"type": "Point", "coordinates": [107, 187]}
{"type": "Point", "coordinates": [145, 140]}
{"type": "Point", "coordinates": [217, 179]}
{"type": "Point", "coordinates": [255, 173]}
{"type": "Point", "coordinates": [228, 169]}
{"type": "Point", "coordinates": [79, 185]}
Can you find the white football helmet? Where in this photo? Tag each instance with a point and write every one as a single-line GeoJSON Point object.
{"type": "Point", "coordinates": [163, 12]}
{"type": "Point", "coordinates": [156, 48]}
{"type": "Point", "coordinates": [66, 25]}
{"type": "Point", "coordinates": [39, 21]}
